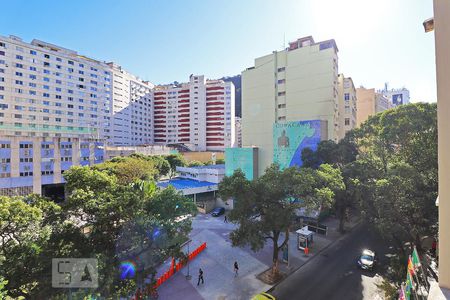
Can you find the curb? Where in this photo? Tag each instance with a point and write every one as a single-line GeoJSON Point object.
{"type": "Point", "coordinates": [358, 223]}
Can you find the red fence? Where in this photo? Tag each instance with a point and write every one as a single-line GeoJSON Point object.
{"type": "Point", "coordinates": [179, 265]}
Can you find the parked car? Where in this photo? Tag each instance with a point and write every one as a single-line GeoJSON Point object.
{"type": "Point", "coordinates": [263, 296]}
{"type": "Point", "coordinates": [367, 260]}
{"type": "Point", "coordinates": [218, 211]}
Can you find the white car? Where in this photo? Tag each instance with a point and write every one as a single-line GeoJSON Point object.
{"type": "Point", "coordinates": [367, 260]}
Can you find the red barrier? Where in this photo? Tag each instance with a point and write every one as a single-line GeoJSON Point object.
{"type": "Point", "coordinates": [178, 266]}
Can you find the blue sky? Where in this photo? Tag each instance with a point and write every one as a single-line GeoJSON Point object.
{"type": "Point", "coordinates": [165, 41]}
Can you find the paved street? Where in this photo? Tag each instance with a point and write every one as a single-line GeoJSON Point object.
{"type": "Point", "coordinates": [218, 258]}
{"type": "Point", "coordinates": [333, 273]}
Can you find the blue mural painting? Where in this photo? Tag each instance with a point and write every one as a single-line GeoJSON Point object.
{"type": "Point", "coordinates": [289, 139]}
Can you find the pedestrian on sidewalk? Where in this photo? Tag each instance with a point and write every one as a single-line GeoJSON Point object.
{"type": "Point", "coordinates": [236, 269]}
{"type": "Point", "coordinates": [225, 219]}
{"type": "Point", "coordinates": [200, 277]}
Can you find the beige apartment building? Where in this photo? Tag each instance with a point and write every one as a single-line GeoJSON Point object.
{"type": "Point", "coordinates": [347, 105]}
{"type": "Point", "coordinates": [442, 41]}
{"type": "Point", "coordinates": [299, 83]}
{"type": "Point", "coordinates": [368, 103]}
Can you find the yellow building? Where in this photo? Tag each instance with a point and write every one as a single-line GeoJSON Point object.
{"type": "Point", "coordinates": [295, 84]}
{"type": "Point", "coordinates": [347, 105]}
{"type": "Point", "coordinates": [369, 103]}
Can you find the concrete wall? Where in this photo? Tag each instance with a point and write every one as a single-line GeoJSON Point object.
{"type": "Point", "coordinates": [365, 104]}
{"type": "Point", "coordinates": [442, 40]}
{"type": "Point", "coordinates": [201, 156]}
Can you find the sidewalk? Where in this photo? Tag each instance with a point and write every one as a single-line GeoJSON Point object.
{"type": "Point", "coordinates": [217, 261]}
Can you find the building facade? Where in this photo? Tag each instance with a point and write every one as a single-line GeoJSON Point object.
{"type": "Point", "coordinates": [347, 105]}
{"type": "Point", "coordinates": [50, 91]}
{"type": "Point", "coordinates": [238, 132]}
{"type": "Point", "coordinates": [296, 84]}
{"type": "Point", "coordinates": [132, 109]}
{"type": "Point", "coordinates": [29, 164]}
{"type": "Point", "coordinates": [396, 96]}
{"type": "Point", "coordinates": [369, 103]}
{"type": "Point", "coordinates": [199, 113]}
{"type": "Point", "coordinates": [54, 113]}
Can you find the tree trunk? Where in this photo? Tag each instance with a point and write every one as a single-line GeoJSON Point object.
{"type": "Point", "coordinates": [276, 235]}
{"type": "Point", "coordinates": [341, 222]}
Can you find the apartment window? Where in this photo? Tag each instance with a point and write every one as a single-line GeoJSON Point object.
{"type": "Point", "coordinates": [46, 56]}
{"type": "Point", "coordinates": [347, 109]}
{"type": "Point", "coordinates": [281, 93]}
{"type": "Point", "coordinates": [2, 44]}
{"type": "Point", "coordinates": [32, 52]}
{"type": "Point", "coordinates": [46, 64]}
{"type": "Point", "coordinates": [59, 59]}
{"type": "Point", "coordinates": [19, 57]}
{"type": "Point", "coordinates": [5, 146]}
{"type": "Point", "coordinates": [26, 174]}
{"type": "Point", "coordinates": [26, 159]}
{"type": "Point", "coordinates": [70, 62]}
{"type": "Point", "coordinates": [19, 66]}
{"type": "Point", "coordinates": [2, 53]}
{"type": "Point", "coordinates": [282, 69]}
{"type": "Point", "coordinates": [279, 106]}
{"type": "Point", "coordinates": [347, 121]}
{"type": "Point", "coordinates": [281, 81]}
{"type": "Point", "coordinates": [346, 96]}
{"type": "Point", "coordinates": [46, 95]}
{"type": "Point", "coordinates": [25, 146]}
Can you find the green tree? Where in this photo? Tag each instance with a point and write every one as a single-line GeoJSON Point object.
{"type": "Point", "coordinates": [175, 160]}
{"type": "Point", "coordinates": [195, 163]}
{"type": "Point", "coordinates": [129, 169]}
{"type": "Point", "coordinates": [262, 208]}
{"type": "Point", "coordinates": [398, 171]}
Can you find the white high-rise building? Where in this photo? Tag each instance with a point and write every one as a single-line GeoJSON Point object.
{"type": "Point", "coordinates": [347, 105]}
{"type": "Point", "coordinates": [50, 91]}
{"type": "Point", "coordinates": [396, 96]}
{"type": "Point", "coordinates": [132, 109]}
{"type": "Point", "coordinates": [199, 113]}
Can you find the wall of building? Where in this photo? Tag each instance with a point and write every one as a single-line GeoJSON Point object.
{"type": "Point", "coordinates": [204, 156]}
{"type": "Point", "coordinates": [365, 104]}
{"type": "Point", "coordinates": [27, 163]}
{"type": "Point", "coordinates": [115, 151]}
{"type": "Point", "coordinates": [442, 33]}
{"type": "Point", "coordinates": [199, 113]}
{"type": "Point", "coordinates": [347, 105]}
{"type": "Point", "coordinates": [299, 83]}
{"type": "Point", "coordinates": [47, 90]}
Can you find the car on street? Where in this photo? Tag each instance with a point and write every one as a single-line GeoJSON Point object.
{"type": "Point", "coordinates": [218, 211]}
{"type": "Point", "coordinates": [263, 296]}
{"type": "Point", "coordinates": [367, 260]}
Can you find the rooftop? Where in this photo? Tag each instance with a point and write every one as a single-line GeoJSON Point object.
{"type": "Point", "coordinates": [183, 183]}
{"type": "Point", "coordinates": [218, 167]}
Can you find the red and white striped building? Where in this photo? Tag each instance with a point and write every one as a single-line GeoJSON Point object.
{"type": "Point", "coordinates": [199, 113]}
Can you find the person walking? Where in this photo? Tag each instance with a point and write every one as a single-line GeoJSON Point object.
{"type": "Point", "coordinates": [236, 269]}
{"type": "Point", "coordinates": [225, 219]}
{"type": "Point", "coordinates": [200, 276]}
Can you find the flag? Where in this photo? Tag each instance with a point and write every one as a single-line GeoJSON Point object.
{"type": "Point", "coordinates": [409, 282]}
{"type": "Point", "coordinates": [410, 266]}
{"type": "Point", "coordinates": [415, 258]}
{"type": "Point", "coordinates": [408, 287]}
{"type": "Point", "coordinates": [401, 294]}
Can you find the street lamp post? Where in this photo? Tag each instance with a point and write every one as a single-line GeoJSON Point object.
{"type": "Point", "coordinates": [188, 276]}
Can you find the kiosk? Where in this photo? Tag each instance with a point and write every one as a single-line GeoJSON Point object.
{"type": "Point", "coordinates": [304, 238]}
